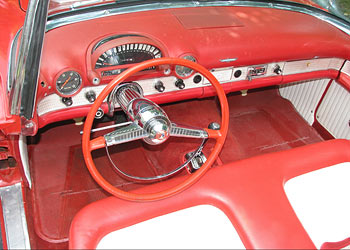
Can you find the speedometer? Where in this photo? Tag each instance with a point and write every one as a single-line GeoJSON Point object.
{"type": "Point", "coordinates": [127, 54]}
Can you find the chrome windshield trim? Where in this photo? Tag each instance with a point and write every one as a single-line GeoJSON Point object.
{"type": "Point", "coordinates": [55, 21]}
{"type": "Point", "coordinates": [12, 60]}
{"type": "Point", "coordinates": [23, 91]}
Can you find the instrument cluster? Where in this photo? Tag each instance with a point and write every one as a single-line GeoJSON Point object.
{"type": "Point", "coordinates": [105, 59]}
{"type": "Point", "coordinates": [109, 57]}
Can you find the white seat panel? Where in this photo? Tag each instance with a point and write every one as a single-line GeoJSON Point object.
{"type": "Point", "coordinates": [200, 227]}
{"type": "Point", "coordinates": [321, 200]}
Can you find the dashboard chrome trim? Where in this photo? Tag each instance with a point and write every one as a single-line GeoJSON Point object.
{"type": "Point", "coordinates": [55, 21]}
{"type": "Point", "coordinates": [228, 60]}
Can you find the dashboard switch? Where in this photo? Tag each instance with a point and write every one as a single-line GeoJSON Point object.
{"type": "Point", "coordinates": [277, 70]}
{"type": "Point", "coordinates": [67, 101]}
{"type": "Point", "coordinates": [90, 96]}
{"type": "Point", "coordinates": [180, 84]}
{"type": "Point", "coordinates": [159, 86]}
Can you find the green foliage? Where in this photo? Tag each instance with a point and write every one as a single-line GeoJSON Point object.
{"type": "Point", "coordinates": [345, 7]}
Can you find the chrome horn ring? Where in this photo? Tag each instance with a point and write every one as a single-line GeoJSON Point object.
{"type": "Point", "coordinates": [149, 123]}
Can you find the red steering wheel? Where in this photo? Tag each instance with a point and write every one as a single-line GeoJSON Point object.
{"type": "Point", "coordinates": [219, 135]}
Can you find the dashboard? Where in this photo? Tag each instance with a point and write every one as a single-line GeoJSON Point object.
{"type": "Point", "coordinates": [244, 47]}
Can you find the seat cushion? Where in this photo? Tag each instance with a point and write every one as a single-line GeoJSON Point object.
{"type": "Point", "coordinates": [250, 192]}
{"type": "Point", "coordinates": [199, 227]}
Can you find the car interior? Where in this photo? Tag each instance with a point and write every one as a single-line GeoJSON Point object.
{"type": "Point", "coordinates": [261, 95]}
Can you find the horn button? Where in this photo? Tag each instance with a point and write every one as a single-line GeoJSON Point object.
{"type": "Point", "coordinates": [148, 115]}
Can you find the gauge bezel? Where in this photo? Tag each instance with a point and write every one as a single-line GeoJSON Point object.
{"type": "Point", "coordinates": [76, 91]}
{"type": "Point", "coordinates": [133, 47]}
{"type": "Point", "coordinates": [93, 55]}
{"type": "Point", "coordinates": [192, 71]}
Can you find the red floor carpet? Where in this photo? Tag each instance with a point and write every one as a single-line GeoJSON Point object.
{"type": "Point", "coordinates": [261, 122]}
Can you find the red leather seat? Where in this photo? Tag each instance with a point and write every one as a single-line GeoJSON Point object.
{"type": "Point", "coordinates": [250, 192]}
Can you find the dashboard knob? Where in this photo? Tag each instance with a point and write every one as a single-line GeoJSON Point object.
{"type": "Point", "coordinates": [90, 96]}
{"type": "Point", "coordinates": [67, 101]}
{"type": "Point", "coordinates": [197, 79]}
{"type": "Point", "coordinates": [277, 70]}
{"type": "Point", "coordinates": [159, 86]}
{"type": "Point", "coordinates": [180, 84]}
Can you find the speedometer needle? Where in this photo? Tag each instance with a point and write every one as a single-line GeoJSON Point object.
{"type": "Point", "coordinates": [65, 82]}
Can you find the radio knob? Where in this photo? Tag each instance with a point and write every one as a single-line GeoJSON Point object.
{"type": "Point", "coordinates": [180, 84]}
{"type": "Point", "coordinates": [159, 86]}
{"type": "Point", "coordinates": [90, 96]}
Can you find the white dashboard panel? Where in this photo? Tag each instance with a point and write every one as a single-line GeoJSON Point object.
{"type": "Point", "coordinates": [304, 66]}
{"type": "Point", "coordinates": [54, 102]}
{"type": "Point", "coordinates": [321, 201]}
{"type": "Point", "coordinates": [199, 227]}
{"type": "Point", "coordinates": [225, 75]}
{"type": "Point", "coordinates": [336, 63]}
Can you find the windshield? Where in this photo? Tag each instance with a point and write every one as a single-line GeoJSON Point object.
{"type": "Point", "coordinates": [340, 8]}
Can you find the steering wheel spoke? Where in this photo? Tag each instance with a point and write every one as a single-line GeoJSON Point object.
{"type": "Point", "coordinates": [187, 131]}
{"type": "Point", "coordinates": [125, 134]}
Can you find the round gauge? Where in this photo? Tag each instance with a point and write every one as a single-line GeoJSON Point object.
{"type": "Point", "coordinates": [184, 71]}
{"type": "Point", "coordinates": [68, 83]}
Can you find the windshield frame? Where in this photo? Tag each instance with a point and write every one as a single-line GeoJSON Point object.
{"type": "Point", "coordinates": [23, 89]}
